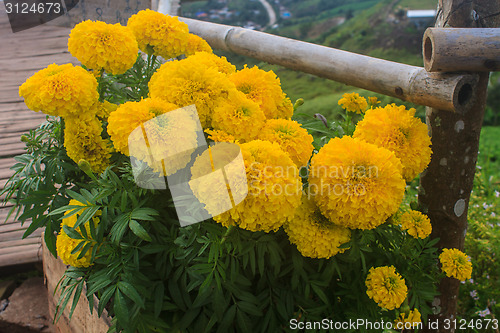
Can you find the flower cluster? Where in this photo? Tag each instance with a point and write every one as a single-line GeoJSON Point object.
{"type": "Point", "coordinates": [159, 34]}
{"type": "Point", "coordinates": [100, 46]}
{"type": "Point", "coordinates": [270, 172]}
{"type": "Point", "coordinates": [397, 129]}
{"type": "Point", "coordinates": [386, 287]}
{"type": "Point", "coordinates": [456, 264]}
{"type": "Point", "coordinates": [265, 89]}
{"type": "Point", "coordinates": [66, 245]}
{"type": "Point", "coordinates": [353, 103]}
{"type": "Point", "coordinates": [413, 317]}
{"type": "Point", "coordinates": [356, 184]}
{"type": "Point", "coordinates": [61, 91]}
{"type": "Point", "coordinates": [313, 234]}
{"type": "Point", "coordinates": [416, 224]}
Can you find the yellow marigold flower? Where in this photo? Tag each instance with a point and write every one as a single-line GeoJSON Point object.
{"type": "Point", "coordinates": [264, 88]}
{"type": "Point", "coordinates": [60, 91]}
{"type": "Point", "coordinates": [128, 116]}
{"type": "Point", "coordinates": [397, 129]}
{"type": "Point", "coordinates": [373, 101]}
{"type": "Point", "coordinates": [239, 116]}
{"type": "Point", "coordinates": [65, 245]}
{"type": "Point", "coordinates": [274, 189]}
{"type": "Point", "coordinates": [104, 109]}
{"type": "Point", "coordinates": [82, 140]}
{"type": "Point", "coordinates": [285, 108]}
{"type": "Point", "coordinates": [219, 193]}
{"type": "Point", "coordinates": [166, 137]}
{"type": "Point", "coordinates": [159, 34]}
{"type": "Point", "coordinates": [292, 138]}
{"type": "Point", "coordinates": [219, 136]}
{"type": "Point", "coordinates": [386, 287]}
{"type": "Point", "coordinates": [353, 103]}
{"type": "Point", "coordinates": [186, 82]}
{"type": "Point", "coordinates": [416, 224]}
{"type": "Point", "coordinates": [356, 184]}
{"type": "Point", "coordinates": [196, 44]}
{"type": "Point", "coordinates": [314, 235]}
{"type": "Point", "coordinates": [211, 60]}
{"type": "Point", "coordinates": [410, 321]}
{"type": "Point", "coordinates": [99, 45]}
{"type": "Point", "coordinates": [456, 264]}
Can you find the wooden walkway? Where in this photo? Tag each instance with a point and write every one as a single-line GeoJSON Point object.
{"type": "Point", "coordinates": [22, 54]}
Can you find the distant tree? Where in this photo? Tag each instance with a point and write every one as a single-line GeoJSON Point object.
{"type": "Point", "coordinates": [349, 14]}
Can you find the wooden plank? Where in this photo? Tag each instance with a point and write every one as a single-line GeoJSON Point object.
{"type": "Point", "coordinates": [12, 227]}
{"type": "Point", "coordinates": [12, 107]}
{"type": "Point", "coordinates": [7, 162]}
{"type": "Point", "coordinates": [17, 127]}
{"type": "Point", "coordinates": [21, 248]}
{"type": "Point", "coordinates": [12, 151]}
{"type": "Point", "coordinates": [82, 321]}
{"type": "Point", "coordinates": [28, 256]}
{"type": "Point", "coordinates": [16, 235]}
{"type": "Point", "coordinates": [32, 239]}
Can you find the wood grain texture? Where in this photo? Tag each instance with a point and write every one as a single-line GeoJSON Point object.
{"type": "Point", "coordinates": [81, 321]}
{"type": "Point", "coordinates": [461, 49]}
{"type": "Point", "coordinates": [23, 54]}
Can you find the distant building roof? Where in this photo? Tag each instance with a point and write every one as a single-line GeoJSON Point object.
{"type": "Point", "coordinates": [421, 13]}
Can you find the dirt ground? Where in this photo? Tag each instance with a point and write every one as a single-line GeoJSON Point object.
{"type": "Point", "coordinates": [26, 309]}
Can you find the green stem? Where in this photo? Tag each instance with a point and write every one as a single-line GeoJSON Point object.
{"type": "Point", "coordinates": [348, 124]}
{"type": "Point", "coordinates": [61, 134]}
{"type": "Point", "coordinates": [228, 231]}
{"type": "Point", "coordinates": [100, 85]}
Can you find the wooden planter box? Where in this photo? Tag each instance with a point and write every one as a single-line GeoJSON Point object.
{"type": "Point", "coordinates": [81, 321]}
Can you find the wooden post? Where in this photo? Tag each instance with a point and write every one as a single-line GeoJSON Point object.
{"type": "Point", "coordinates": [446, 185]}
{"type": "Point", "coordinates": [461, 49]}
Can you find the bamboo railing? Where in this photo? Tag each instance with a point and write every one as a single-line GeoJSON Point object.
{"type": "Point", "coordinates": [450, 92]}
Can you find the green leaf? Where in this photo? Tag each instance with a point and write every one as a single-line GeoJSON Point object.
{"type": "Point", "coordinates": [243, 322]}
{"type": "Point", "coordinates": [61, 210]}
{"type": "Point", "coordinates": [77, 196]}
{"type": "Point", "coordinates": [85, 249]}
{"type": "Point", "coordinates": [188, 318]}
{"type": "Point", "coordinates": [320, 293]}
{"type": "Point", "coordinates": [120, 308]}
{"type": "Point", "coordinates": [78, 247]}
{"type": "Point", "coordinates": [159, 295]}
{"type": "Point", "coordinates": [50, 239]}
{"type": "Point", "coordinates": [123, 204]}
{"type": "Point", "coordinates": [76, 298]}
{"type": "Point", "coordinates": [34, 225]}
{"type": "Point", "coordinates": [145, 214]}
{"type": "Point", "coordinates": [72, 233]}
{"type": "Point", "coordinates": [63, 301]}
{"type": "Point", "coordinates": [99, 284]}
{"type": "Point", "coordinates": [103, 301]}
{"type": "Point", "coordinates": [249, 308]}
{"type": "Point", "coordinates": [86, 215]}
{"type": "Point", "coordinates": [139, 230]}
{"type": "Point", "coordinates": [228, 320]}
{"type": "Point", "coordinates": [131, 293]}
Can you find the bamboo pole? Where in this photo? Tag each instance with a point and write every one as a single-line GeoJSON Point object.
{"type": "Point", "coordinates": [450, 92]}
{"type": "Point", "coordinates": [446, 185]}
{"type": "Point", "coordinates": [461, 49]}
